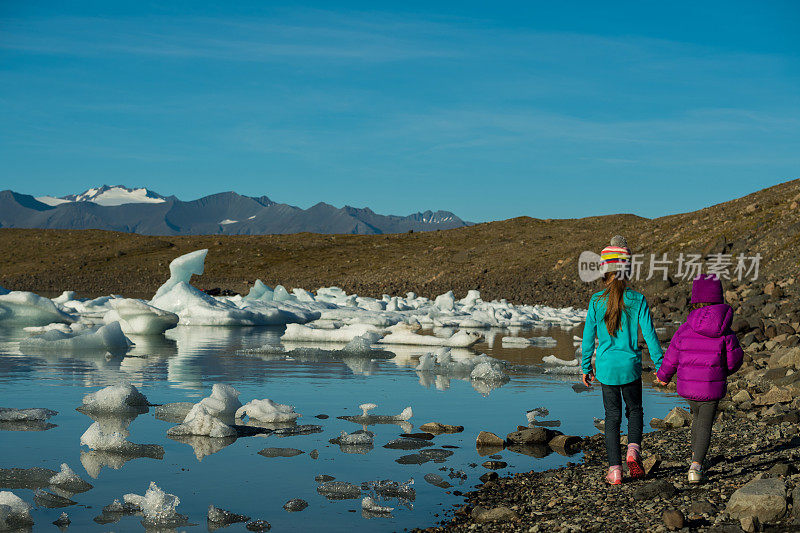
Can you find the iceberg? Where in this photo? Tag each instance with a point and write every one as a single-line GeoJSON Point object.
{"type": "Point", "coordinates": [181, 270]}
{"type": "Point", "coordinates": [158, 508]}
{"type": "Point", "coordinates": [136, 317]}
{"type": "Point", "coordinates": [108, 338]}
{"type": "Point", "coordinates": [267, 411]}
{"type": "Point", "coordinates": [120, 398]}
{"type": "Point", "coordinates": [68, 480]}
{"type": "Point", "coordinates": [30, 308]}
{"type": "Point", "coordinates": [259, 291]}
{"type": "Point", "coordinates": [459, 339]}
{"type": "Point", "coordinates": [301, 333]}
{"type": "Point", "coordinates": [201, 421]}
{"type": "Point", "coordinates": [369, 505]}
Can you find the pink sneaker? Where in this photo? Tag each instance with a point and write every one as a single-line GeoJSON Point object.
{"type": "Point", "coordinates": [635, 466]}
{"type": "Point", "coordinates": [614, 476]}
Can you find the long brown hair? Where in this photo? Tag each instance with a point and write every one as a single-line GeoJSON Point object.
{"type": "Point", "coordinates": [615, 304]}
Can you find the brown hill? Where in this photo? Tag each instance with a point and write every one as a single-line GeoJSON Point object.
{"type": "Point", "coordinates": [523, 259]}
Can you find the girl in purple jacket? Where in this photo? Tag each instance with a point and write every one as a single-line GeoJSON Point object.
{"type": "Point", "coordinates": [704, 352]}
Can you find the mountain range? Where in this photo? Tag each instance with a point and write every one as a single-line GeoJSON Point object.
{"type": "Point", "coordinates": [119, 208]}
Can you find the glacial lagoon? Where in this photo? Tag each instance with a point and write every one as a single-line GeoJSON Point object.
{"type": "Point", "coordinates": [183, 364]}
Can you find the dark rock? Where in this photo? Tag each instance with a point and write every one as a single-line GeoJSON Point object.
{"type": "Point", "coordinates": [658, 487]}
{"type": "Point", "coordinates": [495, 465]}
{"type": "Point", "coordinates": [673, 519]}
{"type": "Point", "coordinates": [489, 476]}
{"type": "Point", "coordinates": [535, 435]}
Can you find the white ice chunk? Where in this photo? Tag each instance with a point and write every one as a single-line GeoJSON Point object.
{"type": "Point", "coordinates": [108, 338]}
{"type": "Point", "coordinates": [30, 308]}
{"type": "Point", "coordinates": [181, 270]}
{"type": "Point", "coordinates": [357, 438]}
{"type": "Point", "coordinates": [66, 477]}
{"type": "Point", "coordinates": [35, 414]}
{"type": "Point", "coordinates": [136, 317]}
{"type": "Point", "coordinates": [488, 372]}
{"type": "Point", "coordinates": [369, 505]}
{"type": "Point", "coordinates": [15, 513]}
{"type": "Point", "coordinates": [119, 398]}
{"type": "Point", "coordinates": [267, 411]}
{"type": "Point", "coordinates": [259, 291]}
{"type": "Point", "coordinates": [446, 301]}
{"type": "Point", "coordinates": [158, 507]}
{"type": "Point", "coordinates": [460, 339]}
{"type": "Point", "coordinates": [200, 421]}
{"type": "Point", "coordinates": [301, 333]}
{"type": "Point", "coordinates": [553, 360]}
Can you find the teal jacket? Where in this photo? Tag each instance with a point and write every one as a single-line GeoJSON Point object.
{"type": "Point", "coordinates": [619, 359]}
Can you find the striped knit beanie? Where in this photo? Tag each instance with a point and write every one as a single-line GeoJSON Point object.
{"type": "Point", "coordinates": [617, 256]}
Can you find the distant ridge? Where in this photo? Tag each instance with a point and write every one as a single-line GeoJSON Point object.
{"type": "Point", "coordinates": [143, 211]}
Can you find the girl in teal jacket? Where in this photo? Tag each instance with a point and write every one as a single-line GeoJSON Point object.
{"type": "Point", "coordinates": [614, 318]}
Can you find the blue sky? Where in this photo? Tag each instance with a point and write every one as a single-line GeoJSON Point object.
{"type": "Point", "coordinates": [490, 110]}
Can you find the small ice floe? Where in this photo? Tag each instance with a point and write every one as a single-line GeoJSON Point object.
{"type": "Point", "coordinates": [201, 421]}
{"type": "Point", "coordinates": [478, 369]}
{"type": "Point", "coordinates": [28, 308]}
{"type": "Point", "coordinates": [370, 506]}
{"type": "Point", "coordinates": [67, 479]}
{"type": "Point", "coordinates": [339, 490]}
{"type": "Point", "coordinates": [116, 442]}
{"type": "Point", "coordinates": [106, 339]}
{"type": "Point", "coordinates": [280, 452]}
{"type": "Point", "coordinates": [295, 505]}
{"type": "Point", "coordinates": [119, 398]}
{"type": "Point", "coordinates": [367, 419]}
{"type": "Point", "coordinates": [555, 365]}
{"type": "Point", "coordinates": [534, 414]}
{"type": "Point", "coordinates": [9, 414]}
{"type": "Point", "coordinates": [407, 443]}
{"type": "Point", "coordinates": [267, 411]}
{"type": "Point", "coordinates": [137, 317]}
{"type": "Point", "coordinates": [15, 513]}
{"type": "Point", "coordinates": [401, 335]}
{"type": "Point", "coordinates": [219, 518]}
{"type": "Point", "coordinates": [523, 342]}
{"type": "Point", "coordinates": [158, 508]}
{"type": "Point", "coordinates": [345, 334]}
{"type": "Point", "coordinates": [62, 521]}
{"type": "Point", "coordinates": [437, 481]}
{"type": "Point", "coordinates": [356, 438]}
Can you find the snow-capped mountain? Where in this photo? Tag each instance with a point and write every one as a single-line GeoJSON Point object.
{"type": "Point", "coordinates": [140, 210]}
{"type": "Point", "coordinates": [108, 195]}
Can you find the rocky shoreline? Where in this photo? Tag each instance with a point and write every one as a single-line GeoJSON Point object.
{"type": "Point", "coordinates": [752, 484]}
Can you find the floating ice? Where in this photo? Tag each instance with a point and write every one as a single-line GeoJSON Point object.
{"type": "Point", "coordinates": [108, 338]}
{"type": "Point", "coordinates": [367, 419]}
{"type": "Point", "coordinates": [301, 333]}
{"type": "Point", "coordinates": [437, 481]}
{"type": "Point", "coordinates": [14, 512]}
{"type": "Point", "coordinates": [30, 308]}
{"type": "Point", "coordinates": [25, 478]}
{"type": "Point", "coordinates": [158, 507]}
{"type": "Point", "coordinates": [523, 342]}
{"type": "Point", "coordinates": [459, 339]}
{"type": "Point", "coordinates": [295, 504]}
{"type": "Point", "coordinates": [223, 402]}
{"type": "Point", "coordinates": [119, 398]}
{"type": "Point", "coordinates": [181, 269]}
{"type": "Point", "coordinates": [201, 421]}
{"type": "Point", "coordinates": [42, 498]}
{"type": "Point", "coordinates": [34, 414]}
{"type": "Point", "coordinates": [259, 291]}
{"type": "Point", "coordinates": [136, 317]}
{"type": "Point", "coordinates": [387, 488]}
{"type": "Point", "coordinates": [339, 490]}
{"type": "Point", "coordinates": [67, 479]}
{"type": "Point", "coordinates": [116, 442]}
{"type": "Point", "coordinates": [481, 368]}
{"type": "Point", "coordinates": [533, 414]}
{"type": "Point", "coordinates": [221, 517]}
{"type": "Point", "coordinates": [368, 504]}
{"type": "Point", "coordinates": [553, 360]}
{"type": "Point", "coordinates": [357, 438]}
{"type": "Point", "coordinates": [267, 411]}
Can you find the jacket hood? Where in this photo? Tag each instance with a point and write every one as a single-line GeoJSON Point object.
{"type": "Point", "coordinates": [711, 320]}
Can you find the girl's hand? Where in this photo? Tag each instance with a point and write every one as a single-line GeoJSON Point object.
{"type": "Point", "coordinates": [588, 379]}
{"type": "Point", "coordinates": [659, 382]}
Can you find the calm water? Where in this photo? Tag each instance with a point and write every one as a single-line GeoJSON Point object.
{"type": "Point", "coordinates": [184, 365]}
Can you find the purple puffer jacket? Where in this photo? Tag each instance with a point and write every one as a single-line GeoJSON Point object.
{"type": "Point", "coordinates": [704, 352]}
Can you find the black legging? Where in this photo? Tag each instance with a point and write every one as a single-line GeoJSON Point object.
{"type": "Point", "coordinates": [703, 414]}
{"type": "Point", "coordinates": [612, 401]}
